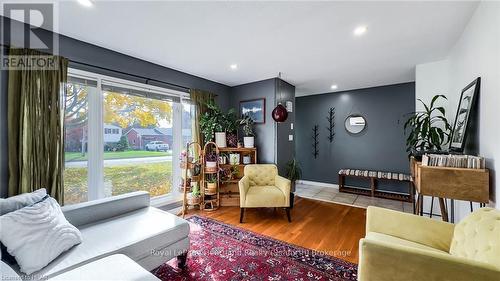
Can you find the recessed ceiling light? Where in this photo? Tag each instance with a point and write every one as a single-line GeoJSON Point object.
{"type": "Point", "coordinates": [86, 3]}
{"type": "Point", "coordinates": [334, 87]}
{"type": "Point", "coordinates": [360, 30]}
{"type": "Point", "coordinates": [233, 66]}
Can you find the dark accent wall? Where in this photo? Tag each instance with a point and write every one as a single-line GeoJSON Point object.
{"type": "Point", "coordinates": [285, 149]}
{"type": "Point", "coordinates": [264, 133]}
{"type": "Point", "coordinates": [89, 54]}
{"type": "Point", "coordinates": [381, 146]}
{"type": "Point", "coordinates": [271, 138]}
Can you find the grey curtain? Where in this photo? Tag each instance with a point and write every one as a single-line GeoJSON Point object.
{"type": "Point", "coordinates": [36, 127]}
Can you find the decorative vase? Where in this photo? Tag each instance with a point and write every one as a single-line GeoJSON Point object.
{"type": "Point", "coordinates": [248, 142]}
{"type": "Point", "coordinates": [232, 139]}
{"type": "Point", "coordinates": [220, 139]}
{"type": "Point", "coordinates": [247, 159]}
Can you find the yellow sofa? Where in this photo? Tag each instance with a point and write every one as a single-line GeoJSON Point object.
{"type": "Point", "coordinates": [262, 187]}
{"type": "Point", "coordinates": [400, 246]}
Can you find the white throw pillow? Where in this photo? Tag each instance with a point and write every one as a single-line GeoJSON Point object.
{"type": "Point", "coordinates": [37, 234]}
{"type": "Point", "coordinates": [17, 202]}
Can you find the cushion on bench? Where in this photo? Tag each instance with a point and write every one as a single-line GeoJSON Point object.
{"type": "Point", "coordinates": [375, 174]}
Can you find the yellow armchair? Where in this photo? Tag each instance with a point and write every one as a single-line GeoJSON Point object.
{"type": "Point", "coordinates": [400, 246]}
{"type": "Point", "coordinates": [262, 187]}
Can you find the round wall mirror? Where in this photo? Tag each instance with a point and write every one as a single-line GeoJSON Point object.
{"type": "Point", "coordinates": [355, 124]}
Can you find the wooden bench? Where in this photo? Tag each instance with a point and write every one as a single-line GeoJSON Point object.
{"type": "Point", "coordinates": [374, 177]}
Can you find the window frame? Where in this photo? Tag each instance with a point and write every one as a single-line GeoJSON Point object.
{"type": "Point", "coordinates": [95, 123]}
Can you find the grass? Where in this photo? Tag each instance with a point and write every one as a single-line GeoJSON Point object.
{"type": "Point", "coordinates": [156, 178]}
{"type": "Point", "coordinates": [77, 156]}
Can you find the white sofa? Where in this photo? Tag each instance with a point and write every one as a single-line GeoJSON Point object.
{"type": "Point", "coordinates": [124, 224]}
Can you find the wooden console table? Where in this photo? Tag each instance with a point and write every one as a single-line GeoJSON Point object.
{"type": "Point", "coordinates": [450, 183]}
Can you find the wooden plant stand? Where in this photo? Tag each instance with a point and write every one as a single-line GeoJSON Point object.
{"type": "Point", "coordinates": [186, 164]}
{"type": "Point", "coordinates": [211, 201]}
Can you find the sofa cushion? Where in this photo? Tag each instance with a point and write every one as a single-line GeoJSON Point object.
{"type": "Point", "coordinates": [17, 202]}
{"type": "Point", "coordinates": [380, 237]}
{"type": "Point", "coordinates": [135, 234]}
{"type": "Point", "coordinates": [477, 237]}
{"type": "Point", "coordinates": [265, 196]}
{"type": "Point", "coordinates": [115, 267]}
{"type": "Point", "coordinates": [37, 234]}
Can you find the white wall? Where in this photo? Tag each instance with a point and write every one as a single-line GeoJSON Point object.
{"type": "Point", "coordinates": [476, 54]}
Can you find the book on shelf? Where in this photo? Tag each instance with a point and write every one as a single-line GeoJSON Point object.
{"type": "Point", "coordinates": [453, 161]}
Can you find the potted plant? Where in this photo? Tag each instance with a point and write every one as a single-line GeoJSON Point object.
{"type": "Point", "coordinates": [194, 197]}
{"type": "Point", "coordinates": [293, 173]}
{"type": "Point", "coordinates": [212, 125]}
{"type": "Point", "coordinates": [247, 126]}
{"type": "Point", "coordinates": [427, 130]}
{"type": "Point", "coordinates": [230, 123]}
{"type": "Point", "coordinates": [211, 162]}
{"type": "Point", "coordinates": [211, 184]}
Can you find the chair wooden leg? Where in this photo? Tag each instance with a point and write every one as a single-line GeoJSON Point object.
{"type": "Point", "coordinates": [288, 214]}
{"type": "Point", "coordinates": [242, 211]}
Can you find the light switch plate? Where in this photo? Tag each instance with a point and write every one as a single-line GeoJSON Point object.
{"type": "Point", "coordinates": [290, 137]}
{"type": "Point", "coordinates": [291, 126]}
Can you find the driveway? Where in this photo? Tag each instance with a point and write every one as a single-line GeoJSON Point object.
{"type": "Point", "coordinates": [120, 162]}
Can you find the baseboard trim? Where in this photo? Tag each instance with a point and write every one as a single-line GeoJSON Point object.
{"type": "Point", "coordinates": [316, 183]}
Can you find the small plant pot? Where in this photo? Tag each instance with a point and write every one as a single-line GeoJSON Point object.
{"type": "Point", "coordinates": [248, 142]}
{"type": "Point", "coordinates": [220, 139]}
{"type": "Point", "coordinates": [211, 187]}
{"type": "Point", "coordinates": [247, 159]}
{"type": "Point", "coordinates": [193, 200]}
{"type": "Point", "coordinates": [234, 159]}
{"type": "Point", "coordinates": [211, 167]}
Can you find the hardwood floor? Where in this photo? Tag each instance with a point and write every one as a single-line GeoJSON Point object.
{"type": "Point", "coordinates": [332, 228]}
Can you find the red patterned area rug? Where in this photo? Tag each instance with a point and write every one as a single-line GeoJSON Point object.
{"type": "Point", "coordinates": [223, 252]}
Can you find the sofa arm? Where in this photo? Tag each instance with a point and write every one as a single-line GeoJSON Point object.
{"type": "Point", "coordinates": [284, 185]}
{"type": "Point", "coordinates": [244, 185]}
{"type": "Point", "coordinates": [433, 233]}
{"type": "Point", "coordinates": [96, 210]}
{"type": "Point", "coordinates": [383, 261]}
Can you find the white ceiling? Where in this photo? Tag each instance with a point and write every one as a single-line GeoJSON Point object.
{"type": "Point", "coordinates": [311, 43]}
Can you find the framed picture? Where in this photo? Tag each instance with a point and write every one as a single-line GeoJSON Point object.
{"type": "Point", "coordinates": [256, 109]}
{"type": "Point", "coordinates": [462, 120]}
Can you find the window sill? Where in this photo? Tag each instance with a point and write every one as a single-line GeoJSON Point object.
{"type": "Point", "coordinates": [164, 200]}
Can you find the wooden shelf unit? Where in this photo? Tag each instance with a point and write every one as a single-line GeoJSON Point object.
{"type": "Point", "coordinates": [229, 189]}
{"type": "Point", "coordinates": [450, 183]}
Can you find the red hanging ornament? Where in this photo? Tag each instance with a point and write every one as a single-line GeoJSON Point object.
{"type": "Point", "coordinates": [280, 113]}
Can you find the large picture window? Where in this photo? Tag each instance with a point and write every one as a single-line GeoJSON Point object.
{"type": "Point", "coordinates": [120, 137]}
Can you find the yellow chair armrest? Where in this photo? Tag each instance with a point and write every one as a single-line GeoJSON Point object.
{"type": "Point", "coordinates": [284, 185]}
{"type": "Point", "coordinates": [429, 232]}
{"type": "Point", "coordinates": [382, 261]}
{"type": "Point", "coordinates": [244, 185]}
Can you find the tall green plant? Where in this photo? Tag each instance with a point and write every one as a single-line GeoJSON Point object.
{"type": "Point", "coordinates": [211, 121]}
{"type": "Point", "coordinates": [428, 129]}
{"type": "Point", "coordinates": [293, 171]}
{"type": "Point", "coordinates": [247, 126]}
